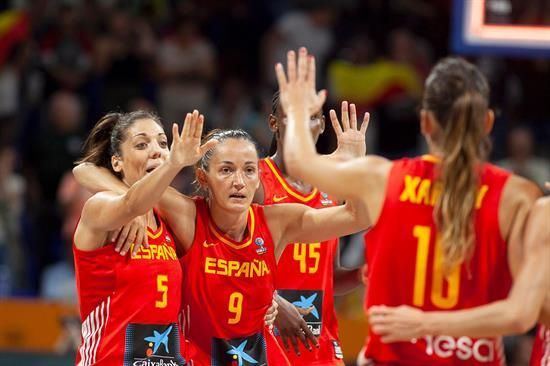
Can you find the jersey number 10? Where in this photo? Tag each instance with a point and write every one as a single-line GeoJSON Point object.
{"type": "Point", "coordinates": [438, 298]}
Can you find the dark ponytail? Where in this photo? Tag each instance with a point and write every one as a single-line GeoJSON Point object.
{"type": "Point", "coordinates": [97, 147]}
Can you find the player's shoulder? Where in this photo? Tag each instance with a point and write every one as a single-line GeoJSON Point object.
{"type": "Point", "coordinates": [519, 191]}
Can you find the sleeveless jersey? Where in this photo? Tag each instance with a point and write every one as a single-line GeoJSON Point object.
{"type": "Point", "coordinates": [541, 347]}
{"type": "Point", "coordinates": [228, 289]}
{"type": "Point", "coordinates": [305, 273]}
{"type": "Point", "coordinates": [129, 306]}
{"type": "Point", "coordinates": [405, 258]}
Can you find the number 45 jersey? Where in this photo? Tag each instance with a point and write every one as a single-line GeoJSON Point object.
{"type": "Point", "coordinates": [129, 305]}
{"type": "Point", "coordinates": [227, 291]}
{"type": "Point", "coordinates": [305, 273]}
{"type": "Point", "coordinates": [405, 264]}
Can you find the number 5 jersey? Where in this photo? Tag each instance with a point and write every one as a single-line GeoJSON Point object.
{"type": "Point", "coordinates": [129, 305]}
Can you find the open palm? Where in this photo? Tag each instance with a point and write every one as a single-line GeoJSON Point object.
{"type": "Point", "coordinates": [186, 147]}
{"type": "Point", "coordinates": [351, 141]}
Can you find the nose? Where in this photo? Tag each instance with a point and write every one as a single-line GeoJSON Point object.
{"type": "Point", "coordinates": [238, 180]}
{"type": "Point", "coordinates": [156, 151]}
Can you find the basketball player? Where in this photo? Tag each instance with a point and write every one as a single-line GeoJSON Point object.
{"type": "Point", "coordinates": [447, 228]}
{"type": "Point", "coordinates": [129, 308]}
{"type": "Point", "coordinates": [514, 315]}
{"type": "Point", "coordinates": [231, 246]}
{"type": "Point", "coordinates": [305, 276]}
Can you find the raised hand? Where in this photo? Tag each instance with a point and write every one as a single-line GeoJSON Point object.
{"type": "Point", "coordinates": [351, 141]}
{"type": "Point", "coordinates": [297, 86]}
{"type": "Point", "coordinates": [186, 147]}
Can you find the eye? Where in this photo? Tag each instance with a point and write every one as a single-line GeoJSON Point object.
{"type": "Point", "coordinates": [163, 144]}
{"type": "Point", "coordinates": [250, 170]}
{"type": "Point", "coordinates": [225, 170]}
{"type": "Point", "coordinates": [141, 146]}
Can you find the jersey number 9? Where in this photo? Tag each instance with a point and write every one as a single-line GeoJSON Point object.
{"type": "Point", "coordinates": [235, 307]}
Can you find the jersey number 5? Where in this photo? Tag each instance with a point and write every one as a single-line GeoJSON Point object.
{"type": "Point", "coordinates": [162, 287]}
{"type": "Point", "coordinates": [303, 251]}
{"type": "Point", "coordinates": [438, 298]}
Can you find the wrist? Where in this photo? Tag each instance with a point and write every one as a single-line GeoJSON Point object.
{"type": "Point", "coordinates": [430, 325]}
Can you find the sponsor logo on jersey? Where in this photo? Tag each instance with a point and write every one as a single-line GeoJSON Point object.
{"type": "Point", "coordinates": [239, 351]}
{"type": "Point", "coordinates": [152, 345]}
{"type": "Point", "coordinates": [463, 348]}
{"type": "Point", "coordinates": [422, 191]}
{"type": "Point", "coordinates": [325, 199]}
{"type": "Point", "coordinates": [260, 243]}
{"type": "Point", "coordinates": [233, 268]}
{"type": "Point", "coordinates": [337, 350]}
{"type": "Point", "coordinates": [309, 304]}
{"type": "Point", "coordinates": [155, 251]}
{"type": "Point", "coordinates": [279, 198]}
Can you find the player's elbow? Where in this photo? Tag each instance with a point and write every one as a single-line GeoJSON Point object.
{"type": "Point", "coordinates": [521, 320]}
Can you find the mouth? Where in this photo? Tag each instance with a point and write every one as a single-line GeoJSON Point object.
{"type": "Point", "coordinates": [239, 196]}
{"type": "Point", "coordinates": [150, 169]}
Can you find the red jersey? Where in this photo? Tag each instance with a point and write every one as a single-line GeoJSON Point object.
{"type": "Point", "coordinates": [228, 288]}
{"type": "Point", "coordinates": [541, 348]}
{"type": "Point", "coordinates": [305, 272]}
{"type": "Point", "coordinates": [405, 265]}
{"type": "Point", "coordinates": [129, 306]}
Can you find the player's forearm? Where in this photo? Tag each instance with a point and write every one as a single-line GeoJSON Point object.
{"type": "Point", "coordinates": [299, 150]}
{"type": "Point", "coordinates": [97, 179]}
{"type": "Point", "coordinates": [147, 191]}
{"type": "Point", "coordinates": [514, 315]}
{"type": "Point", "coordinates": [346, 280]}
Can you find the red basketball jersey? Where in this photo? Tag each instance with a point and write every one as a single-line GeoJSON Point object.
{"type": "Point", "coordinates": [541, 347]}
{"type": "Point", "coordinates": [129, 306]}
{"type": "Point", "coordinates": [305, 272]}
{"type": "Point", "coordinates": [228, 288]}
{"type": "Point", "coordinates": [405, 265]}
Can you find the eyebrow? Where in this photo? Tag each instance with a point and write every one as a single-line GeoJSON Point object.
{"type": "Point", "coordinates": [145, 135]}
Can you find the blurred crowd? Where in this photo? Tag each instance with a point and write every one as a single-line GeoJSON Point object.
{"type": "Point", "coordinates": [63, 64]}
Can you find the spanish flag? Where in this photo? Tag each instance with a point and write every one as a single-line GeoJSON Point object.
{"type": "Point", "coordinates": [372, 84]}
{"type": "Point", "coordinates": [14, 27]}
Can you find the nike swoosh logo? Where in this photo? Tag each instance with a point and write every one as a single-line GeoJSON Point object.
{"type": "Point", "coordinates": [206, 244]}
{"type": "Point", "coordinates": [279, 198]}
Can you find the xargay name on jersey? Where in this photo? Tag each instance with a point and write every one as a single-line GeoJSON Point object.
{"type": "Point", "coordinates": [231, 268]}
{"type": "Point", "coordinates": [464, 348]}
{"type": "Point", "coordinates": [420, 190]}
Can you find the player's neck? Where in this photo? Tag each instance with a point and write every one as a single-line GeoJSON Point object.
{"type": "Point", "coordinates": [300, 186]}
{"type": "Point", "coordinates": [231, 224]}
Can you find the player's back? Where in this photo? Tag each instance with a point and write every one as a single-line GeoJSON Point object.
{"type": "Point", "coordinates": [305, 272]}
{"type": "Point", "coordinates": [228, 289]}
{"type": "Point", "coordinates": [405, 264]}
{"type": "Point", "coordinates": [129, 305]}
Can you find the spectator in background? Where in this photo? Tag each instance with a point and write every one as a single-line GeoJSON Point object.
{"type": "Point", "coordinates": [50, 153]}
{"type": "Point", "coordinates": [12, 190]}
{"type": "Point", "coordinates": [186, 65]}
{"type": "Point", "coordinates": [521, 158]}
{"type": "Point", "coordinates": [66, 51]}
{"type": "Point", "coordinates": [311, 28]}
{"type": "Point", "coordinates": [123, 61]}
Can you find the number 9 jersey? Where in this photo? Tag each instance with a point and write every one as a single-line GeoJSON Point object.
{"type": "Point", "coordinates": [405, 264]}
{"type": "Point", "coordinates": [227, 290]}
